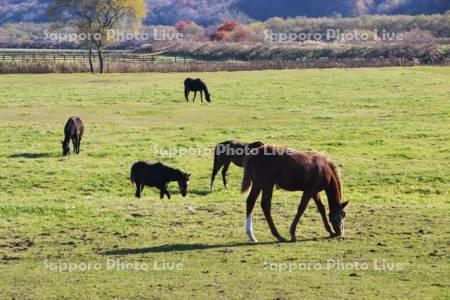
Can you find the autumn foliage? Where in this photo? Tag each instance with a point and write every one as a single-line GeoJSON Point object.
{"type": "Point", "coordinates": [231, 31]}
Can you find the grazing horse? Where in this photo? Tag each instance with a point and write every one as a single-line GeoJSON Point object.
{"type": "Point", "coordinates": [292, 170]}
{"type": "Point", "coordinates": [73, 130]}
{"type": "Point", "coordinates": [230, 152]}
{"type": "Point", "coordinates": [157, 175]}
{"type": "Point", "coordinates": [196, 85]}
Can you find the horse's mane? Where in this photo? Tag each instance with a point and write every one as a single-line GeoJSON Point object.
{"type": "Point", "coordinates": [204, 86]}
{"type": "Point", "coordinates": [169, 171]}
{"type": "Point", "coordinates": [337, 175]}
{"type": "Point", "coordinates": [177, 172]}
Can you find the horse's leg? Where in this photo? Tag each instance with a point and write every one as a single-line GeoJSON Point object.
{"type": "Point", "coordinates": [78, 145]}
{"type": "Point", "coordinates": [76, 151]}
{"type": "Point", "coordinates": [224, 174]}
{"type": "Point", "coordinates": [251, 200]}
{"type": "Point", "coordinates": [195, 95]}
{"type": "Point", "coordinates": [166, 192]}
{"type": "Point", "coordinates": [218, 163]}
{"type": "Point", "coordinates": [201, 96]}
{"type": "Point", "coordinates": [161, 194]}
{"type": "Point", "coordinates": [186, 94]}
{"type": "Point", "coordinates": [138, 190]}
{"type": "Point", "coordinates": [266, 205]}
{"type": "Point", "coordinates": [74, 144]}
{"type": "Point", "coordinates": [301, 209]}
{"type": "Point", "coordinates": [321, 209]}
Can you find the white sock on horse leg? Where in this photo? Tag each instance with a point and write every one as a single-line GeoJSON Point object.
{"type": "Point", "coordinates": [249, 229]}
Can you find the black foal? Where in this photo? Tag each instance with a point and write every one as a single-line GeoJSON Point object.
{"type": "Point", "coordinates": [159, 176]}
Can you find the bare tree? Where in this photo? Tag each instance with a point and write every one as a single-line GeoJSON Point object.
{"type": "Point", "coordinates": [94, 18]}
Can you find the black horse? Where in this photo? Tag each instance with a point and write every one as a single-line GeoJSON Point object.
{"type": "Point", "coordinates": [157, 175]}
{"type": "Point", "coordinates": [230, 152]}
{"type": "Point", "coordinates": [73, 130]}
{"type": "Point", "coordinates": [196, 85]}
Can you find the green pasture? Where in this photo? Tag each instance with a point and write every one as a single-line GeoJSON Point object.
{"type": "Point", "coordinates": [387, 129]}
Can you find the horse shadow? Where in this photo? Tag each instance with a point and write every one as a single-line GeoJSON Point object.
{"type": "Point", "coordinates": [167, 248]}
{"type": "Point", "coordinates": [30, 155]}
{"type": "Point", "coordinates": [199, 192]}
{"type": "Point", "coordinates": [192, 192]}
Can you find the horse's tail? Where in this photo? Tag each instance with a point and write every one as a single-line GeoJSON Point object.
{"type": "Point", "coordinates": [132, 179]}
{"type": "Point", "coordinates": [247, 179]}
{"type": "Point", "coordinates": [216, 167]}
{"type": "Point", "coordinates": [337, 176]}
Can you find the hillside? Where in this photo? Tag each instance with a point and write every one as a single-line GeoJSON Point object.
{"type": "Point", "coordinates": [23, 11]}
{"type": "Point", "coordinates": [209, 11]}
{"type": "Point", "coordinates": [318, 8]}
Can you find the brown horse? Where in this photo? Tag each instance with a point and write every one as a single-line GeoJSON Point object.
{"type": "Point", "coordinates": [292, 170]}
{"type": "Point", "coordinates": [230, 152]}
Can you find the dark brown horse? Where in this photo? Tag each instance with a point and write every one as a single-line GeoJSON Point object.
{"type": "Point", "coordinates": [292, 170]}
{"type": "Point", "coordinates": [230, 152]}
{"type": "Point", "coordinates": [73, 130]}
{"type": "Point", "coordinates": [159, 176]}
{"type": "Point", "coordinates": [196, 85]}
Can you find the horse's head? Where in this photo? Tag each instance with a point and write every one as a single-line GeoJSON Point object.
{"type": "Point", "coordinates": [208, 97]}
{"type": "Point", "coordinates": [66, 148]}
{"type": "Point", "coordinates": [183, 183]}
{"type": "Point", "coordinates": [337, 218]}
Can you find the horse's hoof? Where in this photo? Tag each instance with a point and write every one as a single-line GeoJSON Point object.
{"type": "Point", "coordinates": [335, 236]}
{"type": "Point", "coordinates": [293, 240]}
{"type": "Point", "coordinates": [282, 240]}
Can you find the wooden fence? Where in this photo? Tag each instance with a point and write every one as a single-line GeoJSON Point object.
{"type": "Point", "coordinates": [77, 55]}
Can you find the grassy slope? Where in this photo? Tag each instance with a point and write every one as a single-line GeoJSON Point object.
{"type": "Point", "coordinates": [386, 128]}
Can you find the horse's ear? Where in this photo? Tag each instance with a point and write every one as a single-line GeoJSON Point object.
{"type": "Point", "coordinates": [344, 205]}
{"type": "Point", "coordinates": [188, 175]}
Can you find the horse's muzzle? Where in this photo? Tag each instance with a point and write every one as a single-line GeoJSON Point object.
{"type": "Point", "coordinates": [340, 232]}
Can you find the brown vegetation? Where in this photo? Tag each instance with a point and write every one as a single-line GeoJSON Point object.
{"type": "Point", "coordinates": [11, 67]}
{"type": "Point", "coordinates": [423, 53]}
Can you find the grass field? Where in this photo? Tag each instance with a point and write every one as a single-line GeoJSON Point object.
{"type": "Point", "coordinates": [387, 129]}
